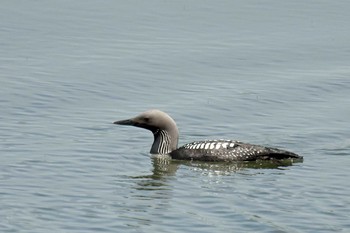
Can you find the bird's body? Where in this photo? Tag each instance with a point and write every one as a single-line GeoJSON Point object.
{"type": "Point", "coordinates": [166, 136]}
{"type": "Point", "coordinates": [227, 151]}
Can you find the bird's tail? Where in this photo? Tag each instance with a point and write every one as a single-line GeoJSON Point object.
{"type": "Point", "coordinates": [283, 154]}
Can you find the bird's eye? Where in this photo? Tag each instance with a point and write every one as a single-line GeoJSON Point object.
{"type": "Point", "coordinates": [146, 119]}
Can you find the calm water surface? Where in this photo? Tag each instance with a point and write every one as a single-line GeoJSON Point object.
{"type": "Point", "coordinates": [272, 73]}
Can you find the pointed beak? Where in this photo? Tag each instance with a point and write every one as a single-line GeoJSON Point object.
{"type": "Point", "coordinates": [135, 122]}
{"type": "Point", "coordinates": [125, 122]}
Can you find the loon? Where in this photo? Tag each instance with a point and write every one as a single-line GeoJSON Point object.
{"type": "Point", "coordinates": [166, 136]}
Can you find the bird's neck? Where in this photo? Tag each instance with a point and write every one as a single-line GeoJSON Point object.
{"type": "Point", "coordinates": [164, 141]}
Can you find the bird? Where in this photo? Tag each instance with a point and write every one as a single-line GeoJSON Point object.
{"type": "Point", "coordinates": [166, 137]}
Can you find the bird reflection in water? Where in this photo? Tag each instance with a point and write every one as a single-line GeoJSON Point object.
{"type": "Point", "coordinates": [164, 167]}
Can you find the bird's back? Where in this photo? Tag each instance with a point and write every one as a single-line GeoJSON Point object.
{"type": "Point", "coordinates": [229, 150]}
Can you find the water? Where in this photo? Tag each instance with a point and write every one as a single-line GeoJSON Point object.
{"type": "Point", "coordinates": [274, 74]}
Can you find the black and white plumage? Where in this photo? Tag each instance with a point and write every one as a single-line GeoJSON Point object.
{"type": "Point", "coordinates": [166, 137]}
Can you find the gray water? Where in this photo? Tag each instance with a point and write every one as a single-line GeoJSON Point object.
{"type": "Point", "coordinates": [274, 73]}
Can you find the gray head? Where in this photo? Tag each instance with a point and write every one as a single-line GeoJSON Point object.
{"type": "Point", "coordinates": [163, 127]}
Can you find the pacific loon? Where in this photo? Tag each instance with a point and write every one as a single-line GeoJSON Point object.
{"type": "Point", "coordinates": [166, 137]}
